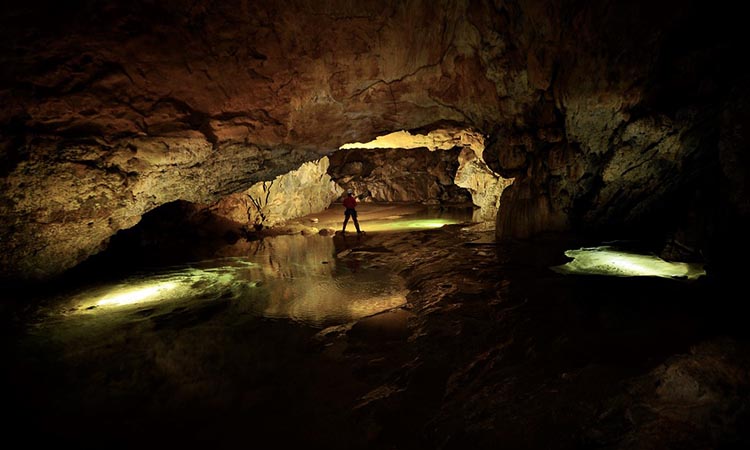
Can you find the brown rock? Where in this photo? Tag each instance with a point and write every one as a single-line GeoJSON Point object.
{"type": "Point", "coordinates": [113, 110]}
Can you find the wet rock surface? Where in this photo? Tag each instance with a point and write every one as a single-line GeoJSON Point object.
{"type": "Point", "coordinates": [505, 351]}
{"type": "Point", "coordinates": [491, 347]}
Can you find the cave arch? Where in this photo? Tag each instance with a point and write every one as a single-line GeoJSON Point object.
{"type": "Point", "coordinates": [598, 111]}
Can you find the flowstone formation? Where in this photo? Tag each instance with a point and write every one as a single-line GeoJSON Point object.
{"type": "Point", "coordinates": [610, 116]}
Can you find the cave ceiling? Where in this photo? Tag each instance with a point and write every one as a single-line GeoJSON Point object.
{"type": "Point", "coordinates": [113, 109]}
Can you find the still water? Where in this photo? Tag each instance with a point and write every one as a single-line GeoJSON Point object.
{"type": "Point", "coordinates": [288, 277]}
{"type": "Point", "coordinates": [212, 347]}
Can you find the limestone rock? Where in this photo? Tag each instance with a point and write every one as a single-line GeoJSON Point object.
{"type": "Point", "coordinates": [327, 232]}
{"type": "Point", "coordinates": [294, 194]}
{"type": "Point", "coordinates": [526, 210]}
{"type": "Point", "coordinates": [57, 215]}
{"type": "Point", "coordinates": [112, 109]}
{"type": "Point", "coordinates": [690, 399]}
{"type": "Point", "coordinates": [202, 100]}
{"type": "Point", "coordinates": [485, 186]}
{"type": "Point", "coordinates": [400, 175]}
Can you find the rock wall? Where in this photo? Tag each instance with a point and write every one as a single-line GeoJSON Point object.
{"type": "Point", "coordinates": [294, 194]}
{"type": "Point", "coordinates": [469, 172]}
{"type": "Point", "coordinates": [219, 95]}
{"type": "Point", "coordinates": [624, 137]}
{"type": "Point", "coordinates": [609, 114]}
{"type": "Point", "coordinates": [400, 175]}
{"type": "Point", "coordinates": [64, 204]}
{"type": "Point", "coordinates": [486, 187]}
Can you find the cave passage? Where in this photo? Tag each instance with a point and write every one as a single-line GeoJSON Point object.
{"type": "Point", "coordinates": [392, 217]}
{"type": "Point", "coordinates": [174, 273]}
{"type": "Point", "coordinates": [293, 277]}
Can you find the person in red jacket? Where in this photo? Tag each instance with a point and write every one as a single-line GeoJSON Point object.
{"type": "Point", "coordinates": [350, 203]}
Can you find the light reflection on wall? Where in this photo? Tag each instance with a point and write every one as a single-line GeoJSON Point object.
{"type": "Point", "coordinates": [612, 262]}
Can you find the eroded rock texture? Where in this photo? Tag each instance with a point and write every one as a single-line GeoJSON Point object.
{"type": "Point", "coordinates": [300, 192]}
{"type": "Point", "coordinates": [609, 114]}
{"type": "Point", "coordinates": [484, 186]}
{"type": "Point", "coordinates": [400, 175]}
{"type": "Point", "coordinates": [219, 95]}
{"type": "Point", "coordinates": [624, 135]}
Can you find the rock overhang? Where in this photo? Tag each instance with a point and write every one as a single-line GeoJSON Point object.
{"type": "Point", "coordinates": [112, 110]}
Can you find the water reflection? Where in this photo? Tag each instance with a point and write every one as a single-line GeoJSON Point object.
{"type": "Point", "coordinates": [404, 224]}
{"type": "Point", "coordinates": [394, 218]}
{"type": "Point", "coordinates": [288, 277]}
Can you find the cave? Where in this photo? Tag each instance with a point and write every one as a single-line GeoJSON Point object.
{"type": "Point", "coordinates": [552, 198]}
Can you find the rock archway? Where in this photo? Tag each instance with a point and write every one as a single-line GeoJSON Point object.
{"type": "Point", "coordinates": [440, 167]}
{"type": "Point", "coordinates": [607, 115]}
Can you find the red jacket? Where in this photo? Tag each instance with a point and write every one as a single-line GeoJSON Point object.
{"type": "Point", "coordinates": [350, 202]}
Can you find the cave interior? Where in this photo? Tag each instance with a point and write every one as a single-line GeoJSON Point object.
{"type": "Point", "coordinates": [554, 196]}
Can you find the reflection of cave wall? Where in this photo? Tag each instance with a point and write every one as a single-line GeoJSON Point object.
{"type": "Point", "coordinates": [400, 175]}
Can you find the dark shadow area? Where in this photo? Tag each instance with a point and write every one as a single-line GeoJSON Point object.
{"type": "Point", "coordinates": [173, 233]}
{"type": "Point", "coordinates": [491, 347]}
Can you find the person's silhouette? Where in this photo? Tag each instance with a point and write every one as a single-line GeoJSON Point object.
{"type": "Point", "coordinates": [350, 203]}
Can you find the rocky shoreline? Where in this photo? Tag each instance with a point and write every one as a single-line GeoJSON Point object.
{"type": "Point", "coordinates": [491, 347]}
{"type": "Point", "coordinates": [501, 350]}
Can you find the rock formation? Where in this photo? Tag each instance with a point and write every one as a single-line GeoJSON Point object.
{"type": "Point", "coordinates": [486, 186]}
{"type": "Point", "coordinates": [300, 192]}
{"type": "Point", "coordinates": [611, 116]}
{"type": "Point", "coordinates": [483, 185]}
{"type": "Point", "coordinates": [400, 175]}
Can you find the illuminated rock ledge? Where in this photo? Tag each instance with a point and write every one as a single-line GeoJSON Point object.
{"type": "Point", "coordinates": [609, 261]}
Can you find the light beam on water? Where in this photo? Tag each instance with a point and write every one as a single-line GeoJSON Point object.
{"type": "Point", "coordinates": [609, 261]}
{"type": "Point", "coordinates": [285, 277]}
{"type": "Point", "coordinates": [138, 294]}
{"type": "Point", "coordinates": [409, 225]}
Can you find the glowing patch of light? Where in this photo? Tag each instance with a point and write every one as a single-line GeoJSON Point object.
{"type": "Point", "coordinates": [177, 285]}
{"type": "Point", "coordinates": [132, 295]}
{"type": "Point", "coordinates": [427, 223]}
{"type": "Point", "coordinates": [611, 262]}
{"type": "Point", "coordinates": [395, 225]}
